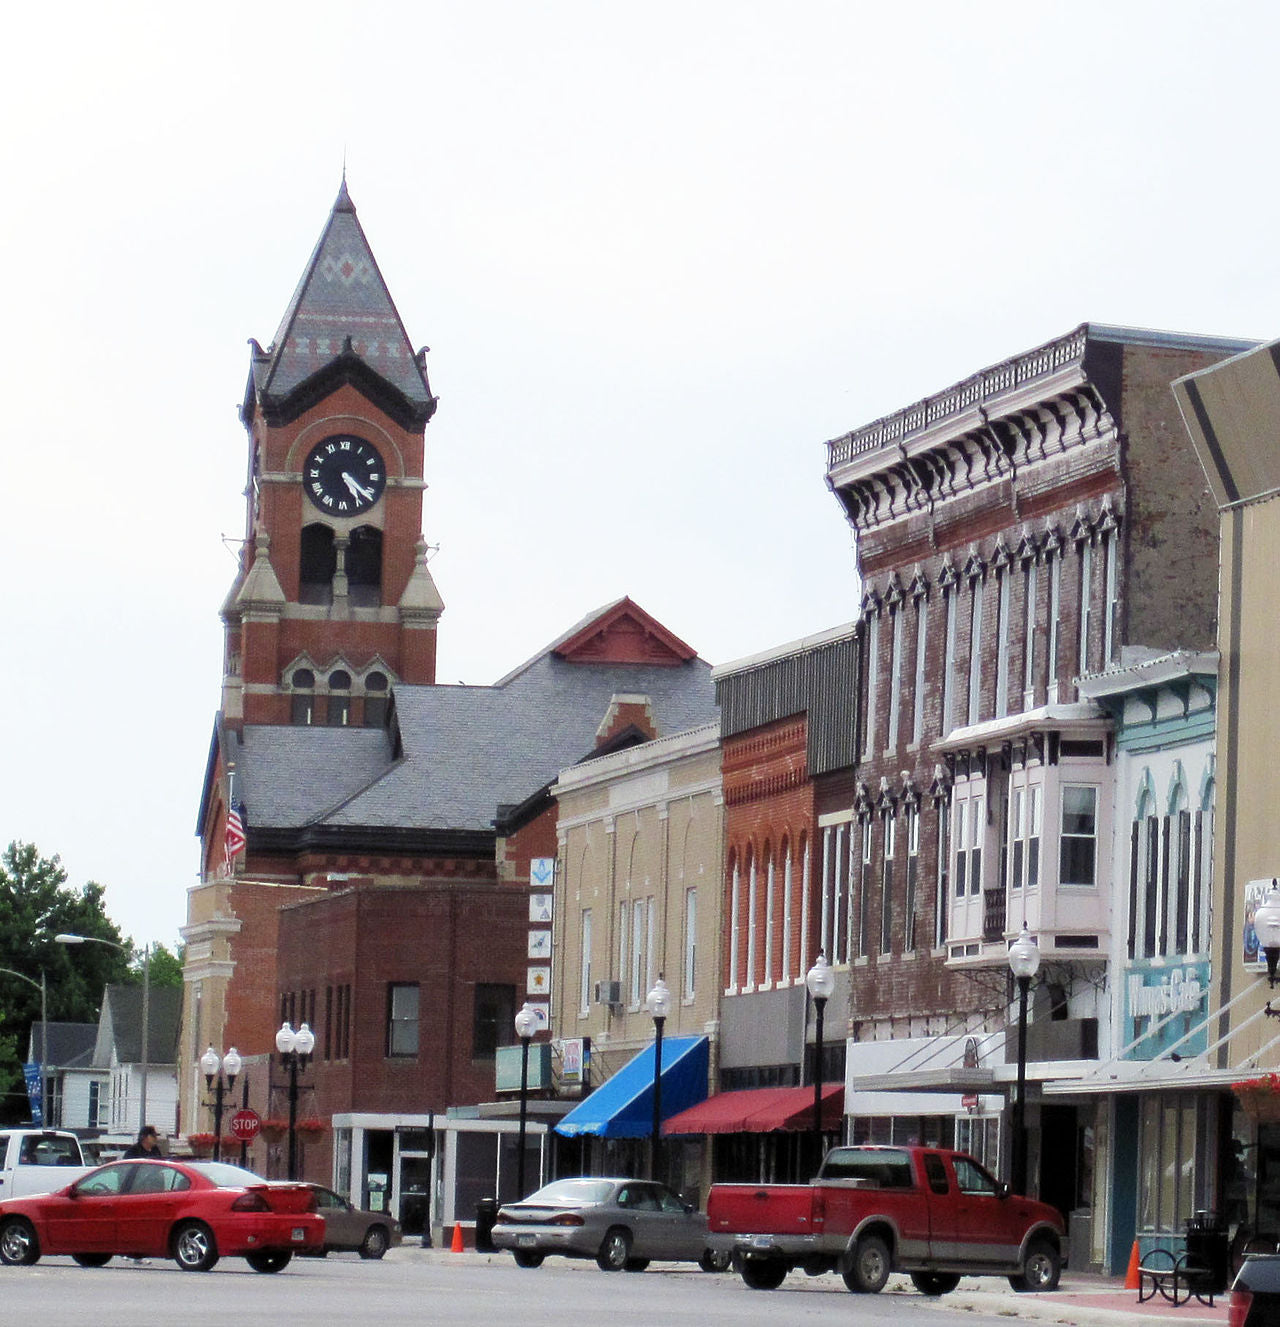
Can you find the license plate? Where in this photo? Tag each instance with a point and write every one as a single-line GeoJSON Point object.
{"type": "Point", "coordinates": [299, 1234]}
{"type": "Point", "coordinates": [762, 1242]}
{"type": "Point", "coordinates": [526, 1241]}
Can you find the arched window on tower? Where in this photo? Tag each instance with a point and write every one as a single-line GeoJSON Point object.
{"type": "Point", "coordinates": [316, 565]}
{"type": "Point", "coordinates": [364, 567]}
{"type": "Point", "coordinates": [375, 700]}
{"type": "Point", "coordinates": [303, 684]}
{"type": "Point", "coordinates": [339, 714]}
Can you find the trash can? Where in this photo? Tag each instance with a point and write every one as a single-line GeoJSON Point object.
{"type": "Point", "coordinates": [486, 1219]}
{"type": "Point", "coordinates": [1207, 1245]}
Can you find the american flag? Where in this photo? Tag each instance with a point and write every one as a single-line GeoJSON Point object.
{"type": "Point", "coordinates": [235, 839]}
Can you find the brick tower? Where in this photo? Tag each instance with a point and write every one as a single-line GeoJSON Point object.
{"type": "Point", "coordinates": [333, 603]}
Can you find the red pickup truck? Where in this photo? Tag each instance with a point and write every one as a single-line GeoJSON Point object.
{"type": "Point", "coordinates": [935, 1214]}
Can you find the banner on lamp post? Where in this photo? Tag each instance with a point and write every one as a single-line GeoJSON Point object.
{"type": "Point", "coordinates": [35, 1093]}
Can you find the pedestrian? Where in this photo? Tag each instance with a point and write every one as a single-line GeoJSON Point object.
{"type": "Point", "coordinates": [148, 1144]}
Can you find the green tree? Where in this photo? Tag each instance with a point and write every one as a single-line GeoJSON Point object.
{"type": "Point", "coordinates": [37, 904]}
{"type": "Point", "coordinates": [166, 967]}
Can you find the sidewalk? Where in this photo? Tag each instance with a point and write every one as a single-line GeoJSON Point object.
{"type": "Point", "coordinates": [1081, 1299]}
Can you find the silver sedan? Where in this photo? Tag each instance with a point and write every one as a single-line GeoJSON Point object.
{"type": "Point", "coordinates": [621, 1223]}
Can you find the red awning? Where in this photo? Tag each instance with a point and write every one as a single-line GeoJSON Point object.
{"type": "Point", "coordinates": [760, 1110]}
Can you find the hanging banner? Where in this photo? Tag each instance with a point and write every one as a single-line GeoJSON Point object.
{"type": "Point", "coordinates": [35, 1094]}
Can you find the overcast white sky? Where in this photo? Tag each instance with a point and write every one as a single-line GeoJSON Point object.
{"type": "Point", "coordinates": [661, 253]}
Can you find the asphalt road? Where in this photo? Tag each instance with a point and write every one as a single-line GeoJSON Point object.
{"type": "Point", "coordinates": [410, 1287]}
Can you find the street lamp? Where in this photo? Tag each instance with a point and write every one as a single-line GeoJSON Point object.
{"type": "Point", "coordinates": [1024, 960]}
{"type": "Point", "coordinates": [658, 1002]}
{"type": "Point", "coordinates": [821, 981]}
{"type": "Point", "coordinates": [222, 1067]}
{"type": "Point", "coordinates": [295, 1050]}
{"type": "Point", "coordinates": [526, 1026]}
{"type": "Point", "coordinates": [1266, 925]}
{"type": "Point", "coordinates": [68, 939]}
{"type": "Point", "coordinates": [42, 987]}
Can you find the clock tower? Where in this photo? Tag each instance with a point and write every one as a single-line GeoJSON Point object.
{"type": "Point", "coordinates": [333, 603]}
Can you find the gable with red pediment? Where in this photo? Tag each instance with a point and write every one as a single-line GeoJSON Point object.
{"type": "Point", "coordinates": [625, 634]}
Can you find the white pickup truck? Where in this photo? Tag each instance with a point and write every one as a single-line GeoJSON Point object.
{"type": "Point", "coordinates": [38, 1161]}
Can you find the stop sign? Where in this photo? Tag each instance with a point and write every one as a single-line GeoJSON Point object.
{"type": "Point", "coordinates": [245, 1125]}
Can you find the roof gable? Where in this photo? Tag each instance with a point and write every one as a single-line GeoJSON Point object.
{"type": "Point", "coordinates": [623, 633]}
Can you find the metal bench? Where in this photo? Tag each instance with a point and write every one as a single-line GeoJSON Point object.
{"type": "Point", "coordinates": [1178, 1278]}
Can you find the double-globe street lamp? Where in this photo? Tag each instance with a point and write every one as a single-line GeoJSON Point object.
{"type": "Point", "coordinates": [42, 987]}
{"type": "Point", "coordinates": [1024, 961]}
{"type": "Point", "coordinates": [658, 1002]}
{"type": "Point", "coordinates": [223, 1069]}
{"type": "Point", "coordinates": [526, 1026]}
{"type": "Point", "coordinates": [821, 981]}
{"type": "Point", "coordinates": [66, 938]}
{"type": "Point", "coordinates": [295, 1050]}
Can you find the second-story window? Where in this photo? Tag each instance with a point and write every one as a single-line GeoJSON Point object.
{"type": "Point", "coordinates": [402, 1019]}
{"type": "Point", "coordinates": [975, 651]}
{"type": "Point", "coordinates": [1029, 636]}
{"type": "Point", "coordinates": [895, 676]}
{"type": "Point", "coordinates": [1002, 644]}
{"type": "Point", "coordinates": [584, 983]}
{"type": "Point", "coordinates": [873, 677]}
{"type": "Point", "coordinates": [922, 621]}
{"type": "Point", "coordinates": [1078, 860]}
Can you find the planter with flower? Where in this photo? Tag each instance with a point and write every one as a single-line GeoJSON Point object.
{"type": "Point", "coordinates": [274, 1129]}
{"type": "Point", "coordinates": [311, 1127]}
{"type": "Point", "coordinates": [1260, 1097]}
{"type": "Point", "coordinates": [201, 1144]}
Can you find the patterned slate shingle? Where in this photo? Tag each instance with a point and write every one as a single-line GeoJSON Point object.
{"type": "Point", "coordinates": [466, 749]}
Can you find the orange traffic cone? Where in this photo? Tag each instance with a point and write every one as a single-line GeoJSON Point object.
{"type": "Point", "coordinates": [456, 1246]}
{"type": "Point", "coordinates": [1131, 1276]}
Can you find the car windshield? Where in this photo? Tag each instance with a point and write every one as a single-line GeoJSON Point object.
{"type": "Point", "coordinates": [573, 1191]}
{"type": "Point", "coordinates": [226, 1176]}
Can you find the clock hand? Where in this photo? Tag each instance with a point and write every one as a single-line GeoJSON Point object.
{"type": "Point", "coordinates": [355, 488]}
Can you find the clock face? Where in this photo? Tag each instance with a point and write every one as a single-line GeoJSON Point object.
{"type": "Point", "coordinates": [344, 475]}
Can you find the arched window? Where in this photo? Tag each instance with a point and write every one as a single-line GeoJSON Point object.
{"type": "Point", "coordinates": [364, 567]}
{"type": "Point", "coordinates": [303, 701]}
{"type": "Point", "coordinates": [375, 700]}
{"type": "Point", "coordinates": [317, 562]}
{"type": "Point", "coordinates": [339, 713]}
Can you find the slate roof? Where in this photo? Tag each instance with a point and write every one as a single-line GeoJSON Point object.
{"type": "Point", "coordinates": [341, 294]}
{"type": "Point", "coordinates": [120, 1025]}
{"type": "Point", "coordinates": [464, 749]}
{"type": "Point", "coordinates": [70, 1045]}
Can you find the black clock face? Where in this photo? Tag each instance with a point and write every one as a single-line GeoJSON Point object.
{"type": "Point", "coordinates": [344, 475]}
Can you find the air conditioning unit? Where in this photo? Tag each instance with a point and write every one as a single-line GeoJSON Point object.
{"type": "Point", "coordinates": [609, 992]}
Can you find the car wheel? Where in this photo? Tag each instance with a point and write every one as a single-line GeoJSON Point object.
{"type": "Point", "coordinates": [1042, 1269]}
{"type": "Point", "coordinates": [527, 1257]}
{"type": "Point", "coordinates": [19, 1244]}
{"type": "Point", "coordinates": [275, 1261]}
{"type": "Point", "coordinates": [764, 1273]}
{"type": "Point", "coordinates": [194, 1248]}
{"type": "Point", "coordinates": [715, 1260]}
{"type": "Point", "coordinates": [375, 1243]}
{"type": "Point", "coordinates": [635, 1264]}
{"type": "Point", "coordinates": [92, 1259]}
{"type": "Point", "coordinates": [935, 1283]}
{"type": "Point", "coordinates": [870, 1268]}
{"type": "Point", "coordinates": [615, 1249]}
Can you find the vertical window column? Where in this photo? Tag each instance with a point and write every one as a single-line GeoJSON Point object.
{"type": "Point", "coordinates": [975, 650]}
{"type": "Point", "coordinates": [1002, 642]}
{"type": "Point", "coordinates": [584, 984]}
{"type": "Point", "coordinates": [922, 622]}
{"type": "Point", "coordinates": [895, 674]}
{"type": "Point", "coordinates": [873, 676]}
{"type": "Point", "coordinates": [735, 911]}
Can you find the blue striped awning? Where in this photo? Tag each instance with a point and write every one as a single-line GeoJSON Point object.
{"type": "Point", "coordinates": [622, 1106]}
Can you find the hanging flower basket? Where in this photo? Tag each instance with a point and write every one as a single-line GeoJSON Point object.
{"type": "Point", "coordinates": [1260, 1098]}
{"type": "Point", "coordinates": [274, 1130]}
{"type": "Point", "coordinates": [201, 1144]}
{"type": "Point", "coordinates": [311, 1126]}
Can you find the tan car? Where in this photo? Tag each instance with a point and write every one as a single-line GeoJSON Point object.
{"type": "Point", "coordinates": [349, 1229]}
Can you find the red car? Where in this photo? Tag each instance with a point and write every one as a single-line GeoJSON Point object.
{"type": "Point", "coordinates": [193, 1212]}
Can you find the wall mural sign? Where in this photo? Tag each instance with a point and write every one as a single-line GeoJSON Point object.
{"type": "Point", "coordinates": [1172, 1000]}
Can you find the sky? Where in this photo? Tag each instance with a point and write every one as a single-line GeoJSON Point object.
{"type": "Point", "coordinates": [661, 254]}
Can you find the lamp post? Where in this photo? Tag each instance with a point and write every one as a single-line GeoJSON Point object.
{"type": "Point", "coordinates": [821, 981]}
{"type": "Point", "coordinates": [295, 1050]}
{"type": "Point", "coordinates": [42, 987]}
{"type": "Point", "coordinates": [69, 939]}
{"type": "Point", "coordinates": [1024, 960]}
{"type": "Point", "coordinates": [1266, 925]}
{"type": "Point", "coordinates": [658, 1003]}
{"type": "Point", "coordinates": [223, 1068]}
{"type": "Point", "coordinates": [526, 1026]}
